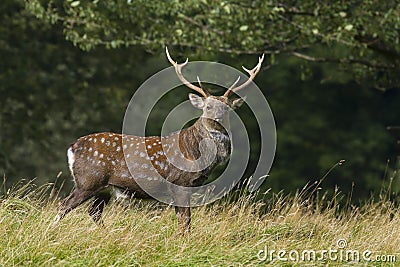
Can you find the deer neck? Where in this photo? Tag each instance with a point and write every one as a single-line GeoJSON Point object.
{"type": "Point", "coordinates": [190, 138]}
{"type": "Point", "coordinates": [204, 128]}
{"type": "Point", "coordinates": [208, 128]}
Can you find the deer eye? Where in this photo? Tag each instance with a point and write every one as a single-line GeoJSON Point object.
{"type": "Point", "coordinates": [208, 108]}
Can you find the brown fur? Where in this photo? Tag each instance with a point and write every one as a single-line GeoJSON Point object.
{"type": "Point", "coordinates": [100, 163]}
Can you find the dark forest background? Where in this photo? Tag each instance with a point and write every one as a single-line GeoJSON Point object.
{"type": "Point", "coordinates": [63, 75]}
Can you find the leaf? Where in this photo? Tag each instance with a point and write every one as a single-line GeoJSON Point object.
{"type": "Point", "coordinates": [179, 32]}
{"type": "Point", "coordinates": [114, 44]}
{"type": "Point", "coordinates": [348, 27]}
{"type": "Point", "coordinates": [243, 28]}
{"type": "Point", "coordinates": [75, 3]}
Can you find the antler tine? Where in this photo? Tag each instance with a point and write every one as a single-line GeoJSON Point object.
{"type": "Point", "coordinates": [252, 74]}
{"type": "Point", "coordinates": [199, 82]}
{"type": "Point", "coordinates": [178, 70]}
{"type": "Point", "coordinates": [228, 92]}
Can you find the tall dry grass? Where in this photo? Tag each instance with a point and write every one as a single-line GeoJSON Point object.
{"type": "Point", "coordinates": [225, 233]}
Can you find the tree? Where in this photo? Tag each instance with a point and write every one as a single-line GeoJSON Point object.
{"type": "Point", "coordinates": [359, 36]}
{"type": "Point", "coordinates": [51, 93]}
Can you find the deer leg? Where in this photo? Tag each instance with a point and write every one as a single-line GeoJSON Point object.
{"type": "Point", "coordinates": [182, 210]}
{"type": "Point", "coordinates": [183, 216]}
{"type": "Point", "coordinates": [76, 198]}
{"type": "Point", "coordinates": [97, 206]}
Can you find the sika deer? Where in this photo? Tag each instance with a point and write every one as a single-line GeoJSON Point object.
{"type": "Point", "coordinates": [102, 161]}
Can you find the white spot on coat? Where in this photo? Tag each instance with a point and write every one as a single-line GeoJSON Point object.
{"type": "Point", "coordinates": [135, 165]}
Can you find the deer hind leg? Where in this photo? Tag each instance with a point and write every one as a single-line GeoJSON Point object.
{"type": "Point", "coordinates": [76, 198]}
{"type": "Point", "coordinates": [96, 208]}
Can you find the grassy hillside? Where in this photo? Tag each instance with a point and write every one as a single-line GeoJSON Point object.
{"type": "Point", "coordinates": [223, 234]}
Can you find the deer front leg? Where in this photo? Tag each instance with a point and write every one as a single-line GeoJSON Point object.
{"type": "Point", "coordinates": [182, 210]}
{"type": "Point", "coordinates": [183, 216]}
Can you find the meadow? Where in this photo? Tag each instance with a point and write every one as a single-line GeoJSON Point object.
{"type": "Point", "coordinates": [303, 229]}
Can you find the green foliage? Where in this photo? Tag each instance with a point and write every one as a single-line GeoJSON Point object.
{"type": "Point", "coordinates": [319, 125]}
{"type": "Point", "coordinates": [51, 92]}
{"type": "Point", "coordinates": [361, 36]}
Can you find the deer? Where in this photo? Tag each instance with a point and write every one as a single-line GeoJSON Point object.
{"type": "Point", "coordinates": [106, 163]}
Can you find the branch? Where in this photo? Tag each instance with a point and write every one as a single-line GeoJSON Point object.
{"type": "Point", "coordinates": [379, 46]}
{"type": "Point", "coordinates": [198, 24]}
{"type": "Point", "coordinates": [295, 11]}
{"type": "Point", "coordinates": [343, 60]}
{"type": "Point", "coordinates": [304, 29]}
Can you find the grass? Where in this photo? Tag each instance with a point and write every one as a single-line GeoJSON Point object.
{"type": "Point", "coordinates": [226, 233]}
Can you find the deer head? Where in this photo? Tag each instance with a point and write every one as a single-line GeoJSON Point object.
{"type": "Point", "coordinates": [215, 108]}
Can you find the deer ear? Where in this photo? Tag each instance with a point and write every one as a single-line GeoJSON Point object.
{"type": "Point", "coordinates": [237, 102]}
{"type": "Point", "coordinates": [197, 101]}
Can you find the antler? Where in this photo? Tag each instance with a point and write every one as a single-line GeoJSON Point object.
{"type": "Point", "coordinates": [178, 69]}
{"type": "Point", "coordinates": [253, 72]}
